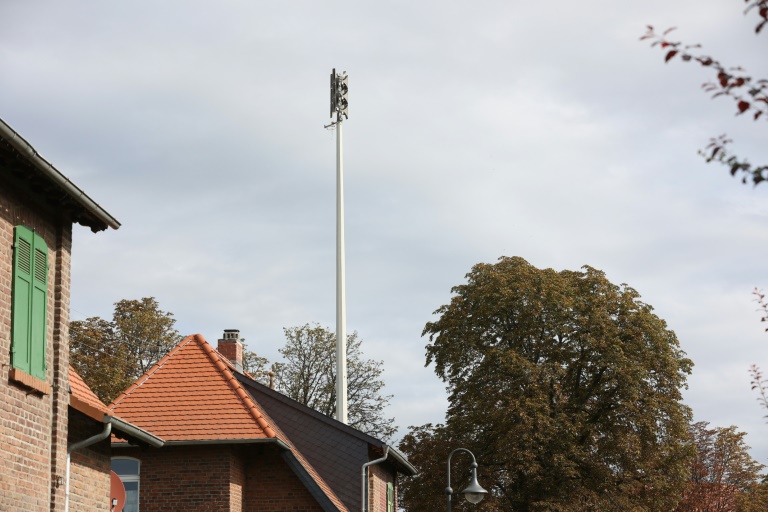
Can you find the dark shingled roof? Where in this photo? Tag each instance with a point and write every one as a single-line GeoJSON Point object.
{"type": "Point", "coordinates": [336, 451]}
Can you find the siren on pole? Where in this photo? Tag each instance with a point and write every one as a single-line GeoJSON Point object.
{"type": "Point", "coordinates": [339, 95]}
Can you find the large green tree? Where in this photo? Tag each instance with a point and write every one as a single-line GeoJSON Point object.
{"type": "Point", "coordinates": [308, 375]}
{"type": "Point", "coordinates": [565, 386]}
{"type": "Point", "coordinates": [110, 355]}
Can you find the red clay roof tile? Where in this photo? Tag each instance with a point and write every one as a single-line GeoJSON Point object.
{"type": "Point", "coordinates": [83, 399]}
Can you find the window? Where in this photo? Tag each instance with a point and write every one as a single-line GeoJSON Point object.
{"type": "Point", "coordinates": [390, 497]}
{"type": "Point", "coordinates": [30, 302]}
{"type": "Point", "coordinates": [128, 471]}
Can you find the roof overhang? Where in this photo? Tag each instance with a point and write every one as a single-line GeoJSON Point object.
{"type": "Point", "coordinates": [401, 462]}
{"type": "Point", "coordinates": [208, 442]}
{"type": "Point", "coordinates": [134, 433]}
{"type": "Point", "coordinates": [94, 216]}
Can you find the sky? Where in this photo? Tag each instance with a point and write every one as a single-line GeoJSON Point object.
{"type": "Point", "coordinates": [480, 129]}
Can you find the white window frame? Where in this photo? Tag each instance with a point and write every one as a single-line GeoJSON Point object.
{"type": "Point", "coordinates": [131, 478]}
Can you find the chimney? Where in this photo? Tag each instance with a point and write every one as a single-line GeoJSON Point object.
{"type": "Point", "coordinates": [231, 348]}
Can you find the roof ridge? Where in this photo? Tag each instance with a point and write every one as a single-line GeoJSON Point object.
{"type": "Point", "coordinates": [141, 380]}
{"type": "Point", "coordinates": [305, 409]}
{"type": "Point", "coordinates": [259, 415]}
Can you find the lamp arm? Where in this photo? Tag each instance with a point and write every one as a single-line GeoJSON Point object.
{"type": "Point", "coordinates": [448, 490]}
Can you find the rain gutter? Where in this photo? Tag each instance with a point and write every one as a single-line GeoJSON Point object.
{"type": "Point", "coordinates": [44, 166]}
{"type": "Point", "coordinates": [208, 442]}
{"type": "Point", "coordinates": [136, 432]}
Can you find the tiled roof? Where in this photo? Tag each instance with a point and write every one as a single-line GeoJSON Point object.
{"type": "Point", "coordinates": [193, 395]}
{"type": "Point", "coordinates": [190, 395]}
{"type": "Point", "coordinates": [84, 400]}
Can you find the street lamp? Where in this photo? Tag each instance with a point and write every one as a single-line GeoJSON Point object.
{"type": "Point", "coordinates": [473, 493]}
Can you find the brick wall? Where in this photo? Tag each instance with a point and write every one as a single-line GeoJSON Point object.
{"type": "Point", "coordinates": [271, 486]}
{"type": "Point", "coordinates": [236, 478]}
{"type": "Point", "coordinates": [378, 477]}
{"type": "Point", "coordinates": [33, 426]}
{"type": "Point", "coordinates": [89, 483]}
{"type": "Point", "coordinates": [237, 481]}
{"type": "Point", "coordinates": [195, 478]}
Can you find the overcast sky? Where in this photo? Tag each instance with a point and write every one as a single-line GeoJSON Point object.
{"type": "Point", "coordinates": [545, 130]}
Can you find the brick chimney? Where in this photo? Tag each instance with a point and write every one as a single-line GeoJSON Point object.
{"type": "Point", "coordinates": [231, 348]}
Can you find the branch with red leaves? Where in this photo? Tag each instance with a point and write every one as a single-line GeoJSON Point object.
{"type": "Point", "coordinates": [715, 150]}
{"type": "Point", "coordinates": [750, 95]}
{"type": "Point", "coordinates": [759, 383]}
{"type": "Point", "coordinates": [763, 305]}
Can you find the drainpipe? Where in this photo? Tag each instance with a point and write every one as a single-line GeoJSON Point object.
{"type": "Point", "coordinates": [83, 444]}
{"type": "Point", "coordinates": [365, 477]}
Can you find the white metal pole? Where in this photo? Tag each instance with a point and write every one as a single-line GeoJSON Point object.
{"type": "Point", "coordinates": [341, 301]}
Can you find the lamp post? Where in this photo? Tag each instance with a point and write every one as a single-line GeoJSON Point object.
{"type": "Point", "coordinates": [473, 493]}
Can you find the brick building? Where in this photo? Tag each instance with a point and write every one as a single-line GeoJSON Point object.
{"type": "Point", "coordinates": [38, 206]}
{"type": "Point", "coordinates": [92, 427]}
{"type": "Point", "coordinates": [232, 444]}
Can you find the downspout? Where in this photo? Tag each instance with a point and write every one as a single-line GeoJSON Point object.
{"type": "Point", "coordinates": [365, 477]}
{"type": "Point", "coordinates": [83, 444]}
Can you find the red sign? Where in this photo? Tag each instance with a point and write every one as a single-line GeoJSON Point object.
{"type": "Point", "coordinates": [116, 493]}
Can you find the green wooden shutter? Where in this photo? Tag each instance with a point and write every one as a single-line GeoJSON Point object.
{"type": "Point", "coordinates": [30, 302]}
{"type": "Point", "coordinates": [22, 297]}
{"type": "Point", "coordinates": [39, 307]}
{"type": "Point", "coordinates": [390, 497]}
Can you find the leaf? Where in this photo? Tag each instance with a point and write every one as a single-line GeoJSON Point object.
{"type": "Point", "coordinates": [758, 114]}
{"type": "Point", "coordinates": [670, 55]}
{"type": "Point", "coordinates": [743, 106]}
{"type": "Point", "coordinates": [668, 30]}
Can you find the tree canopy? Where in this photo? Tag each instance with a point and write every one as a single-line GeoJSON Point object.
{"type": "Point", "coordinates": [723, 474]}
{"type": "Point", "coordinates": [308, 375]}
{"type": "Point", "coordinates": [565, 386]}
{"type": "Point", "coordinates": [110, 355]}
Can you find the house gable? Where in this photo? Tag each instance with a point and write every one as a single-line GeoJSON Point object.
{"type": "Point", "coordinates": [191, 398]}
